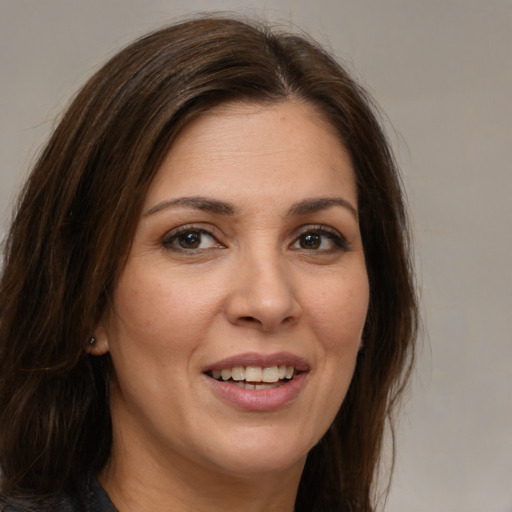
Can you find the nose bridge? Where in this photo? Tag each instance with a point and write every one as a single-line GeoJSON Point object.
{"type": "Point", "coordinates": [264, 294]}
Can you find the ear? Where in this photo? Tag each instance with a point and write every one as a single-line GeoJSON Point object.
{"type": "Point", "coordinates": [97, 344]}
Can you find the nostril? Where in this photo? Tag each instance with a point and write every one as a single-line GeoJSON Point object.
{"type": "Point", "coordinates": [250, 319]}
{"type": "Point", "coordinates": [255, 322]}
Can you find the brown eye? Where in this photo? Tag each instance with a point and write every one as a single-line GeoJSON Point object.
{"type": "Point", "coordinates": [310, 241]}
{"type": "Point", "coordinates": [320, 240]}
{"type": "Point", "coordinates": [189, 239]}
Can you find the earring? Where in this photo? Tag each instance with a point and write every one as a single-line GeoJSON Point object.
{"type": "Point", "coordinates": [92, 341]}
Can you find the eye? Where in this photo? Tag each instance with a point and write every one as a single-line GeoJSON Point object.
{"type": "Point", "coordinates": [190, 239]}
{"type": "Point", "coordinates": [320, 239]}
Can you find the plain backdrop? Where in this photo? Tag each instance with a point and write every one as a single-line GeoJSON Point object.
{"type": "Point", "coordinates": [442, 72]}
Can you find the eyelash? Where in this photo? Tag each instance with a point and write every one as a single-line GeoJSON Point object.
{"type": "Point", "coordinates": [320, 232]}
{"type": "Point", "coordinates": [175, 235]}
{"type": "Point", "coordinates": [332, 235]}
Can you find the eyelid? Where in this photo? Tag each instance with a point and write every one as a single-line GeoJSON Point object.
{"type": "Point", "coordinates": [174, 233]}
{"type": "Point", "coordinates": [329, 232]}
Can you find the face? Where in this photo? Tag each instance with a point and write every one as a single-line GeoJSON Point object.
{"type": "Point", "coordinates": [237, 319]}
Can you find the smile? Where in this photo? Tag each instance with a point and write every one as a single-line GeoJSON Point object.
{"type": "Point", "coordinates": [258, 382]}
{"type": "Point", "coordinates": [255, 377]}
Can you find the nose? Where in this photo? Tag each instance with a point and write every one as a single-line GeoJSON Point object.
{"type": "Point", "coordinates": [263, 294]}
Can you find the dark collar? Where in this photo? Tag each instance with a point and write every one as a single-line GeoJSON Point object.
{"type": "Point", "coordinates": [95, 500]}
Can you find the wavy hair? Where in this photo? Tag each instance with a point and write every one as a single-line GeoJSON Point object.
{"type": "Point", "coordinates": [76, 218]}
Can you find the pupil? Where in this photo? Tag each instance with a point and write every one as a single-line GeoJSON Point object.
{"type": "Point", "coordinates": [310, 241]}
{"type": "Point", "coordinates": [190, 240]}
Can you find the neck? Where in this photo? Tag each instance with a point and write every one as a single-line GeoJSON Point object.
{"type": "Point", "coordinates": [139, 484]}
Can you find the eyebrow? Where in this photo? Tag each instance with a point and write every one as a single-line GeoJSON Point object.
{"type": "Point", "coordinates": [321, 203]}
{"type": "Point", "coordinates": [201, 203]}
{"type": "Point", "coordinates": [219, 207]}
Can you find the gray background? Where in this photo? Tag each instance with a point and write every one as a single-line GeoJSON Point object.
{"type": "Point", "coordinates": [442, 72]}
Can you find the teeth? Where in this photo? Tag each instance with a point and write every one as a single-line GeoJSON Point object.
{"type": "Point", "coordinates": [238, 373]}
{"type": "Point", "coordinates": [246, 385]}
{"type": "Point", "coordinates": [265, 386]}
{"type": "Point", "coordinates": [253, 373]}
{"type": "Point", "coordinates": [269, 374]}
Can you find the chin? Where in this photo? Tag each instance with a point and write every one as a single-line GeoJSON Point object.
{"type": "Point", "coordinates": [260, 465]}
{"type": "Point", "coordinates": [250, 453]}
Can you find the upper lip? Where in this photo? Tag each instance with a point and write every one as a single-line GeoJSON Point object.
{"type": "Point", "coordinates": [263, 360]}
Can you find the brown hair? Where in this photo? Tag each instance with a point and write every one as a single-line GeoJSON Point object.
{"type": "Point", "coordinates": [75, 222]}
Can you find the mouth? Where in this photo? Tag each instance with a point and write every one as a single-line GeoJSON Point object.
{"type": "Point", "coordinates": [255, 377]}
{"type": "Point", "coordinates": [258, 382]}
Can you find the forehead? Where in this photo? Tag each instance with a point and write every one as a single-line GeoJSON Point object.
{"type": "Point", "coordinates": [238, 148]}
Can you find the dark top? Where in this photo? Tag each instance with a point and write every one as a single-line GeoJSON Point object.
{"type": "Point", "coordinates": [97, 501]}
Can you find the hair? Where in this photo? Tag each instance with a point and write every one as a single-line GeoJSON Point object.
{"type": "Point", "coordinates": [75, 221]}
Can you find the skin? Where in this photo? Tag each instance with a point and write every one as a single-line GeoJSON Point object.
{"type": "Point", "coordinates": [266, 277]}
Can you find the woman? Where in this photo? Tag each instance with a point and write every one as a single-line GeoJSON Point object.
{"type": "Point", "coordinates": [207, 299]}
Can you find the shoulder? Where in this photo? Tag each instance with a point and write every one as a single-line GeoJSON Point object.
{"type": "Point", "coordinates": [98, 500]}
{"type": "Point", "coordinates": [33, 505]}
{"type": "Point", "coordinates": [5, 506]}
{"type": "Point", "coordinates": [95, 500]}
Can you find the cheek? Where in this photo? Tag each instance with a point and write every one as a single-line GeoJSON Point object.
{"type": "Point", "coordinates": [160, 312]}
{"type": "Point", "coordinates": [337, 316]}
{"type": "Point", "coordinates": [339, 311]}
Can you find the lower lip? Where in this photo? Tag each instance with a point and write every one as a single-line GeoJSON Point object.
{"type": "Point", "coordinates": [259, 399]}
